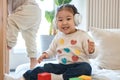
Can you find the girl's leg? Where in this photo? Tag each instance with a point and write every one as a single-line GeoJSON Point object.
{"type": "Point", "coordinates": [77, 69]}
{"type": "Point", "coordinates": [32, 74]}
{"type": "Point", "coordinates": [51, 68]}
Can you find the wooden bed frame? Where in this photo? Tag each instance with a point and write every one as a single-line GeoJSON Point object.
{"type": "Point", "coordinates": [4, 56]}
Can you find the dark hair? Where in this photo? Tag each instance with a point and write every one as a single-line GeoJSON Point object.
{"type": "Point", "coordinates": [70, 7]}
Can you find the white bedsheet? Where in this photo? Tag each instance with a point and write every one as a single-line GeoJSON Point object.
{"type": "Point", "coordinates": [97, 74]}
{"type": "Point", "coordinates": [104, 74]}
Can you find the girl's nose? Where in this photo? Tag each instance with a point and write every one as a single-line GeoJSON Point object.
{"type": "Point", "coordinates": [64, 21]}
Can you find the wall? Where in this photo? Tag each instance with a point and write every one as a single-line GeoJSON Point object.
{"type": "Point", "coordinates": [104, 13]}
{"type": "Point", "coordinates": [81, 6]}
{"type": "Point", "coordinates": [17, 59]}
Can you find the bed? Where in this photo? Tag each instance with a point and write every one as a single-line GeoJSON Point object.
{"type": "Point", "coordinates": [106, 59]}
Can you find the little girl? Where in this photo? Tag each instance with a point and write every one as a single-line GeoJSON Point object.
{"type": "Point", "coordinates": [71, 45]}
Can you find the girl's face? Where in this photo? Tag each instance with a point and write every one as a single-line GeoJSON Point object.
{"type": "Point", "coordinates": [65, 21]}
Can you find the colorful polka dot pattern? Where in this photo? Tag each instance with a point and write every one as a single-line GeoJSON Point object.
{"type": "Point", "coordinates": [61, 41]}
{"type": "Point", "coordinates": [77, 52]}
{"type": "Point", "coordinates": [74, 56]}
{"type": "Point", "coordinates": [67, 50]}
{"type": "Point", "coordinates": [64, 60]}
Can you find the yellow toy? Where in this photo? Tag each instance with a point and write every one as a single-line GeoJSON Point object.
{"type": "Point", "coordinates": [85, 77]}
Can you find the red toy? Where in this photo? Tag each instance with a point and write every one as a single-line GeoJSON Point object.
{"type": "Point", "coordinates": [44, 76]}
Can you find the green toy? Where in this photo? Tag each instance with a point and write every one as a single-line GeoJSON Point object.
{"type": "Point", "coordinates": [75, 78]}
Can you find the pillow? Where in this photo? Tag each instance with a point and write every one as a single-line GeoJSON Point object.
{"type": "Point", "coordinates": [109, 47]}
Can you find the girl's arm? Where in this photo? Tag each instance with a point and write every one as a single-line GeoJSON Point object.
{"type": "Point", "coordinates": [43, 56]}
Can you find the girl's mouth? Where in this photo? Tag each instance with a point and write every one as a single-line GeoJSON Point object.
{"type": "Point", "coordinates": [65, 28]}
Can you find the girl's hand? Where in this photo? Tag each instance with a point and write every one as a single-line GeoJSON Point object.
{"type": "Point", "coordinates": [43, 56]}
{"type": "Point", "coordinates": [91, 47]}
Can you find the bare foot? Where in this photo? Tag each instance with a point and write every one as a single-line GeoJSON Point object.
{"type": "Point", "coordinates": [33, 62]}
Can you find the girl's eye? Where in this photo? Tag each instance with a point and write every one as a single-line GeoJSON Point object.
{"type": "Point", "coordinates": [68, 19]}
{"type": "Point", "coordinates": [60, 20]}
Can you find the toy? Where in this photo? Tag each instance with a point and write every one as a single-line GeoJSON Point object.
{"type": "Point", "coordinates": [76, 78]}
{"type": "Point", "coordinates": [44, 76]}
{"type": "Point", "coordinates": [85, 77]}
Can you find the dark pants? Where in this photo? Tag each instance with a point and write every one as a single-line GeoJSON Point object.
{"type": "Point", "coordinates": [68, 71]}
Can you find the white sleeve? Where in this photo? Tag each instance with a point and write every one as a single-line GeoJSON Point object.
{"type": "Point", "coordinates": [52, 48]}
